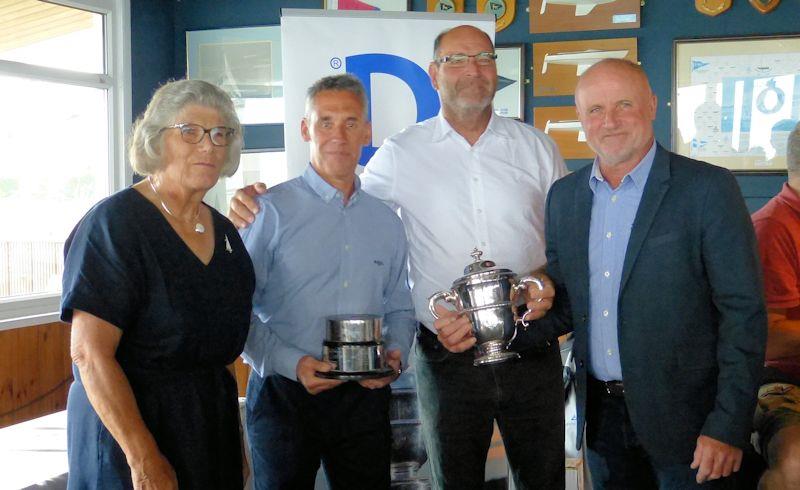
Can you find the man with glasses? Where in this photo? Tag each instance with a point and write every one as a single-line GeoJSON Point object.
{"type": "Point", "coordinates": [469, 179]}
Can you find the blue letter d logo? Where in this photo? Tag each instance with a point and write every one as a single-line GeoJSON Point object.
{"type": "Point", "coordinates": [364, 65]}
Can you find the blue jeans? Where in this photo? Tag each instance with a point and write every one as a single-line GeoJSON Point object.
{"type": "Point", "coordinates": [617, 460]}
{"type": "Point", "coordinates": [290, 431]}
{"type": "Point", "coordinates": [459, 403]}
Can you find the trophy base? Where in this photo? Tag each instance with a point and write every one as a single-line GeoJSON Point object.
{"type": "Point", "coordinates": [356, 375]}
{"type": "Point", "coordinates": [493, 352]}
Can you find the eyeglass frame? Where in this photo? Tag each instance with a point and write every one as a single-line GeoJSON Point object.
{"type": "Point", "coordinates": [447, 60]}
{"type": "Point", "coordinates": [230, 132]}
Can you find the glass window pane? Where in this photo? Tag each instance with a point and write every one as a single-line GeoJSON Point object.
{"type": "Point", "coordinates": [55, 36]}
{"type": "Point", "coordinates": [54, 154]}
{"type": "Point", "coordinates": [265, 166]}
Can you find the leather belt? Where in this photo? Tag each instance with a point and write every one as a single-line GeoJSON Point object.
{"type": "Point", "coordinates": [609, 388]}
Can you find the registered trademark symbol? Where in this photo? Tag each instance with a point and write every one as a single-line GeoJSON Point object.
{"type": "Point", "coordinates": [336, 63]}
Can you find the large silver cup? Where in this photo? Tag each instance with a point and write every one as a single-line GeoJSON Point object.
{"type": "Point", "coordinates": [487, 295]}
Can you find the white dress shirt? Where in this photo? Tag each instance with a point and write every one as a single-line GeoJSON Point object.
{"type": "Point", "coordinates": [454, 197]}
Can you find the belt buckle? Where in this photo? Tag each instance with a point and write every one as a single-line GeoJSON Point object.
{"type": "Point", "coordinates": [614, 388]}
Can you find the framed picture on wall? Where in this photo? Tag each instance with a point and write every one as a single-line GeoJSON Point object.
{"type": "Point", "coordinates": [509, 101]}
{"type": "Point", "coordinates": [735, 100]}
{"type": "Point", "coordinates": [557, 65]}
{"type": "Point", "coordinates": [246, 63]}
{"type": "Point", "coordinates": [384, 5]}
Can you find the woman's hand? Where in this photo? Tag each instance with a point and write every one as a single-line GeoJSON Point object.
{"type": "Point", "coordinates": [155, 473]}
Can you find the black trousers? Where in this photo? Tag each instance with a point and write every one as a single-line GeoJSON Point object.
{"type": "Point", "coordinates": [290, 431]}
{"type": "Point", "coordinates": [616, 459]}
{"type": "Point", "coordinates": [459, 403]}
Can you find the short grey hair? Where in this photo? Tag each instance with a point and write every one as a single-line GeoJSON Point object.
{"type": "Point", "coordinates": [144, 149]}
{"type": "Point", "coordinates": [344, 82]}
{"type": "Point", "coordinates": [438, 41]}
{"type": "Point", "coordinates": [793, 150]}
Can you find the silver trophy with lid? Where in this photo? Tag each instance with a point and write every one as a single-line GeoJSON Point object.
{"type": "Point", "coordinates": [487, 294]}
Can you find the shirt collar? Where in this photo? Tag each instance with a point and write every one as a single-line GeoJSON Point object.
{"type": "Point", "coordinates": [326, 191]}
{"type": "Point", "coordinates": [790, 197]}
{"type": "Point", "coordinates": [443, 128]}
{"type": "Point", "coordinates": [638, 175]}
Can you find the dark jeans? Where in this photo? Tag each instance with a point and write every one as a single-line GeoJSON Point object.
{"type": "Point", "coordinates": [290, 431]}
{"type": "Point", "coordinates": [617, 460]}
{"type": "Point", "coordinates": [459, 403]}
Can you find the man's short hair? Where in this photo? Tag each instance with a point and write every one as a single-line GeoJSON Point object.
{"type": "Point", "coordinates": [438, 41]}
{"type": "Point", "coordinates": [793, 150]}
{"type": "Point", "coordinates": [345, 82]}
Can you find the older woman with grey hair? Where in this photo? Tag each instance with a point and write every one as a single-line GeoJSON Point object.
{"type": "Point", "coordinates": [158, 288]}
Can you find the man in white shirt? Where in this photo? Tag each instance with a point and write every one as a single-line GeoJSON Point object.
{"type": "Point", "coordinates": [465, 179]}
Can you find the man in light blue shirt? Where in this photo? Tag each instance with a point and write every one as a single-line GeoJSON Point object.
{"type": "Point", "coordinates": [322, 247]}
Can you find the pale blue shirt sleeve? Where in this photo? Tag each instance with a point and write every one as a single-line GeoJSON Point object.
{"type": "Point", "coordinates": [265, 351]}
{"type": "Point", "coordinates": [399, 316]}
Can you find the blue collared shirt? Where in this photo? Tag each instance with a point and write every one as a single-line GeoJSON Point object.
{"type": "Point", "coordinates": [315, 256]}
{"type": "Point", "coordinates": [613, 213]}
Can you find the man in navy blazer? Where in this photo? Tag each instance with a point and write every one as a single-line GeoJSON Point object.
{"type": "Point", "coordinates": [656, 270]}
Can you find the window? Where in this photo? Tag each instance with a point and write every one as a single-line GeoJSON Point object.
{"type": "Point", "coordinates": [268, 166]}
{"type": "Point", "coordinates": [64, 87]}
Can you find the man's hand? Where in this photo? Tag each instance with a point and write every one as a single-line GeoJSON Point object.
{"type": "Point", "coordinates": [307, 369]}
{"type": "Point", "coordinates": [539, 301]}
{"type": "Point", "coordinates": [454, 330]}
{"type": "Point", "coordinates": [714, 459]}
{"type": "Point", "coordinates": [393, 358]}
{"type": "Point", "coordinates": [244, 207]}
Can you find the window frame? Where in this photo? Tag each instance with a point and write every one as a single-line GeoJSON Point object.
{"type": "Point", "coordinates": [45, 307]}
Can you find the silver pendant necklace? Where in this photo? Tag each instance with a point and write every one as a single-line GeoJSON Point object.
{"type": "Point", "coordinates": [198, 226]}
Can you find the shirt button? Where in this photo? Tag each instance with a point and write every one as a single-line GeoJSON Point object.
{"type": "Point", "coordinates": [347, 247]}
{"type": "Point", "coordinates": [480, 211]}
{"type": "Point", "coordinates": [345, 284]}
{"type": "Point", "coordinates": [609, 352]}
{"type": "Point", "coordinates": [606, 273]}
{"type": "Point", "coordinates": [605, 312]}
{"type": "Point", "coordinates": [614, 198]}
{"type": "Point", "coordinates": [609, 235]}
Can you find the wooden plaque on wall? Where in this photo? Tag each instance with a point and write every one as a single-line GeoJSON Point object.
{"type": "Point", "coordinates": [557, 66]}
{"type": "Point", "coordinates": [583, 15]}
{"type": "Point", "coordinates": [562, 125]}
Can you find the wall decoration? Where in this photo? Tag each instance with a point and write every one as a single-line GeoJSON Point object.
{"type": "Point", "coordinates": [503, 11]}
{"type": "Point", "coordinates": [765, 6]}
{"type": "Point", "coordinates": [510, 97]}
{"type": "Point", "coordinates": [583, 15]}
{"type": "Point", "coordinates": [384, 5]}
{"type": "Point", "coordinates": [563, 126]}
{"type": "Point", "coordinates": [712, 7]}
{"type": "Point", "coordinates": [735, 100]}
{"type": "Point", "coordinates": [557, 66]}
{"type": "Point", "coordinates": [446, 6]}
{"type": "Point", "coordinates": [246, 63]}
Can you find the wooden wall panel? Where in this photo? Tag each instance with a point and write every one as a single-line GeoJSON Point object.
{"type": "Point", "coordinates": [35, 372]}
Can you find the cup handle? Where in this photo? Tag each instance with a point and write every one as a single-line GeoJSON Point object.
{"type": "Point", "coordinates": [447, 296]}
{"type": "Point", "coordinates": [520, 287]}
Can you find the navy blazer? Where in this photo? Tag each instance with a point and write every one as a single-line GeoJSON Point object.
{"type": "Point", "coordinates": [692, 321]}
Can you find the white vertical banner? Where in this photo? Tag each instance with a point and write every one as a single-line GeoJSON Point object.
{"type": "Point", "coordinates": [388, 51]}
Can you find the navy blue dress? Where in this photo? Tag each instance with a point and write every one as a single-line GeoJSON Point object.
{"type": "Point", "coordinates": [182, 322]}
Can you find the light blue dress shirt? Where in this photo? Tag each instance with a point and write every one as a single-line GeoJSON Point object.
{"type": "Point", "coordinates": [314, 257]}
{"type": "Point", "coordinates": [613, 213]}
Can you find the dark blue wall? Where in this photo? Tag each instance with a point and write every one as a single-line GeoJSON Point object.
{"type": "Point", "coordinates": [159, 50]}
